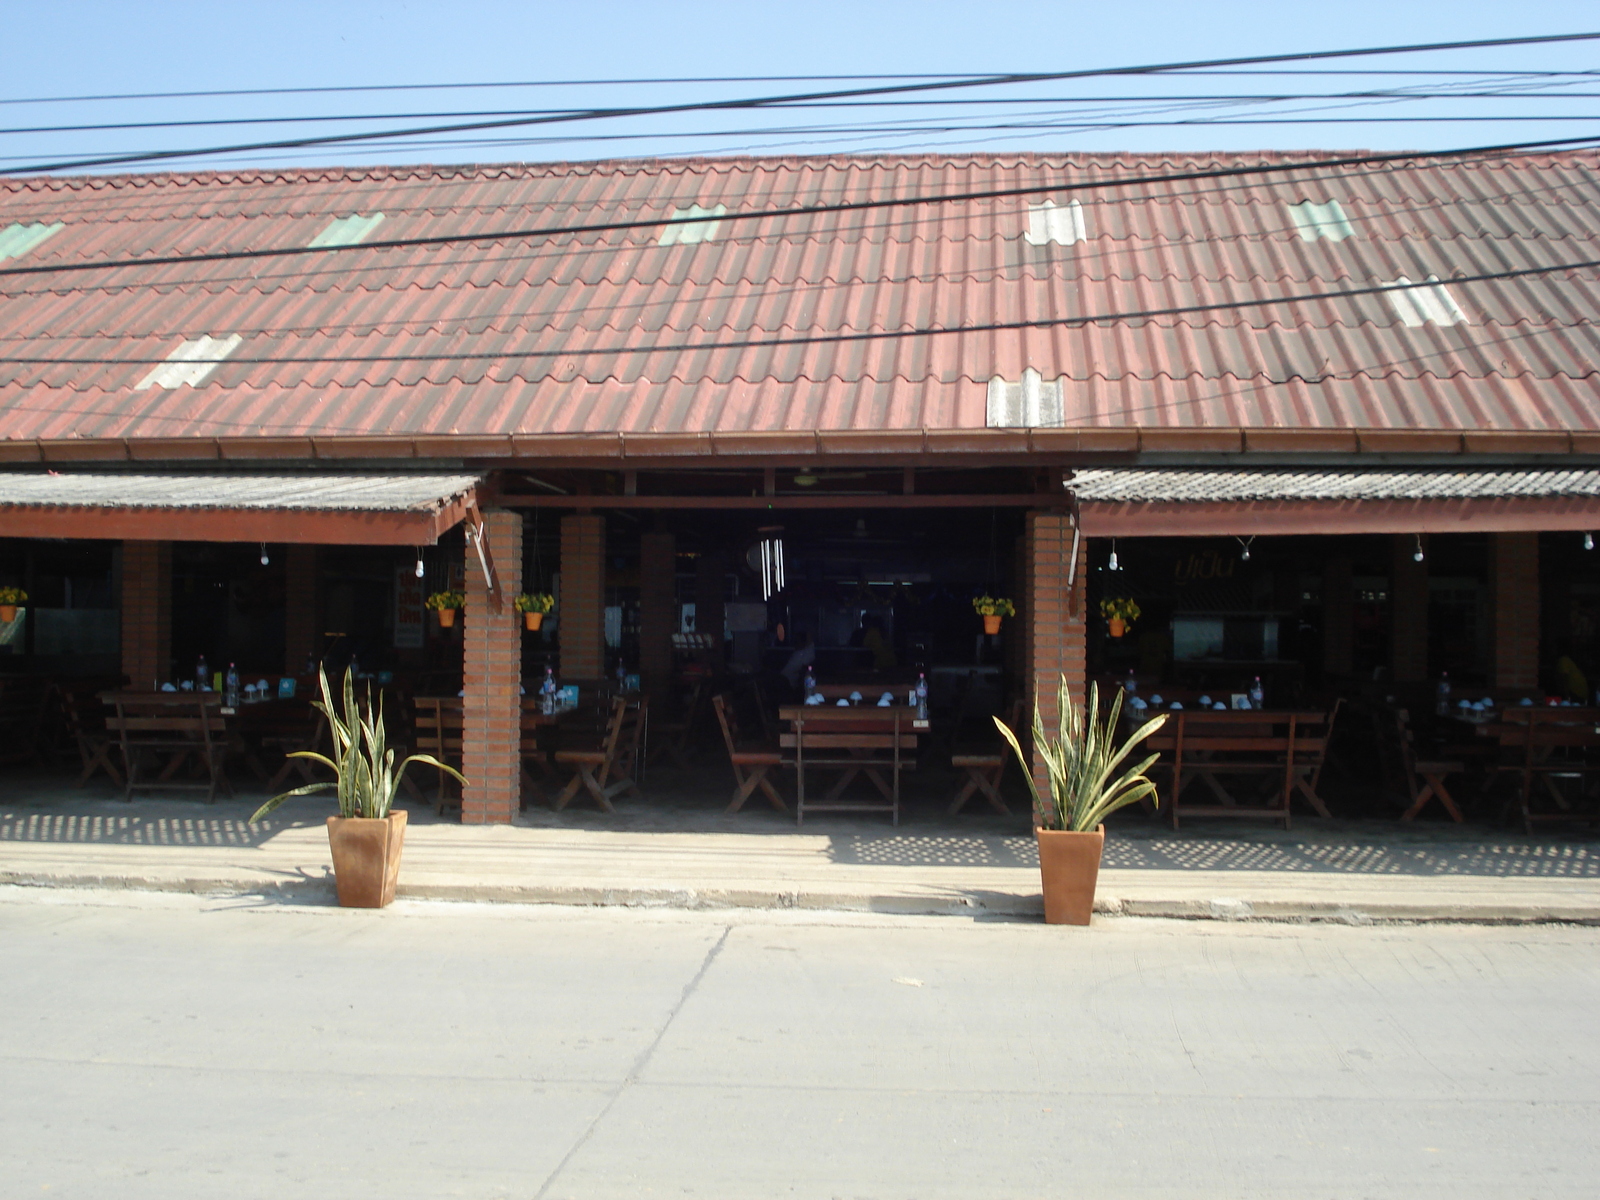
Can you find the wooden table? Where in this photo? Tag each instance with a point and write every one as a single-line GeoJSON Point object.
{"type": "Point", "coordinates": [1547, 743]}
{"type": "Point", "coordinates": [1204, 743]}
{"type": "Point", "coordinates": [858, 740]}
{"type": "Point", "coordinates": [177, 725]}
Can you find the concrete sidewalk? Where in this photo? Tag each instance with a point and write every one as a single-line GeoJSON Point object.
{"type": "Point", "coordinates": [1351, 871]}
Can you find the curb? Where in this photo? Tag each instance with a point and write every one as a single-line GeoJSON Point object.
{"type": "Point", "coordinates": [902, 904]}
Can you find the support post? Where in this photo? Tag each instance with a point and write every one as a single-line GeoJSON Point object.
{"type": "Point", "coordinates": [710, 581]}
{"type": "Point", "coordinates": [1338, 616]}
{"type": "Point", "coordinates": [491, 734]}
{"type": "Point", "coordinates": [1057, 630]}
{"type": "Point", "coordinates": [1514, 584]}
{"type": "Point", "coordinates": [146, 613]}
{"type": "Point", "coordinates": [1408, 607]}
{"type": "Point", "coordinates": [658, 612]}
{"type": "Point", "coordinates": [583, 596]}
{"type": "Point", "coordinates": [300, 600]}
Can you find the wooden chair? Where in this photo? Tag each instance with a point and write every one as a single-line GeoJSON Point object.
{"type": "Point", "coordinates": [674, 737]}
{"type": "Point", "coordinates": [984, 771]}
{"type": "Point", "coordinates": [437, 730]}
{"type": "Point", "coordinates": [532, 751]}
{"type": "Point", "coordinates": [309, 734]}
{"type": "Point", "coordinates": [616, 756]}
{"type": "Point", "coordinates": [175, 725]}
{"type": "Point", "coordinates": [751, 764]}
{"type": "Point", "coordinates": [1432, 772]}
{"type": "Point", "coordinates": [95, 745]}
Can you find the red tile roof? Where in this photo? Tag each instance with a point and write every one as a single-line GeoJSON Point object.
{"type": "Point", "coordinates": [1524, 360]}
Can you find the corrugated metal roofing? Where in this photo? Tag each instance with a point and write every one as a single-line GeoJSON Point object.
{"type": "Point", "coordinates": [1522, 358]}
{"type": "Point", "coordinates": [1156, 486]}
{"type": "Point", "coordinates": [304, 492]}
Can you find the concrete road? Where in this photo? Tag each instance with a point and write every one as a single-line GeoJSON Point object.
{"type": "Point", "coordinates": [173, 1047]}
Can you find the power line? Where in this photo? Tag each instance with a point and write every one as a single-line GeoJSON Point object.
{"type": "Point", "coordinates": [793, 211]}
{"type": "Point", "coordinates": [833, 338]}
{"type": "Point", "coordinates": [767, 101]}
{"type": "Point", "coordinates": [974, 101]}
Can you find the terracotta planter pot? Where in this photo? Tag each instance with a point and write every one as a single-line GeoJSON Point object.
{"type": "Point", "coordinates": [366, 858]}
{"type": "Point", "coordinates": [1118, 627]}
{"type": "Point", "coordinates": [1069, 866]}
{"type": "Point", "coordinates": [8, 613]}
{"type": "Point", "coordinates": [991, 625]}
{"type": "Point", "coordinates": [447, 617]}
{"type": "Point", "coordinates": [532, 619]}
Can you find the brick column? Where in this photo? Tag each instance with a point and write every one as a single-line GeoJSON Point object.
{"type": "Point", "coordinates": [1338, 616]}
{"type": "Point", "coordinates": [658, 610]}
{"type": "Point", "coordinates": [146, 613]}
{"type": "Point", "coordinates": [1514, 586]}
{"type": "Point", "coordinates": [1408, 608]}
{"type": "Point", "coordinates": [1057, 634]}
{"type": "Point", "coordinates": [300, 599]}
{"type": "Point", "coordinates": [491, 733]}
{"type": "Point", "coordinates": [583, 596]}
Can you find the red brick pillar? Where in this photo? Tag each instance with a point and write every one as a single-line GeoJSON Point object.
{"type": "Point", "coordinates": [300, 617]}
{"type": "Point", "coordinates": [583, 596]}
{"type": "Point", "coordinates": [1057, 633]}
{"type": "Point", "coordinates": [1338, 616]}
{"type": "Point", "coordinates": [658, 611]}
{"type": "Point", "coordinates": [1514, 584]}
{"type": "Point", "coordinates": [146, 613]}
{"type": "Point", "coordinates": [491, 732]}
{"type": "Point", "coordinates": [1408, 608]}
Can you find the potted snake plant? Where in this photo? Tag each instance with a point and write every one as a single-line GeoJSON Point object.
{"type": "Point", "coordinates": [1083, 761]}
{"type": "Point", "coordinates": [368, 834]}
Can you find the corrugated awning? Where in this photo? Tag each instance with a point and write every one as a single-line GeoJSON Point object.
{"type": "Point", "coordinates": [1155, 503]}
{"type": "Point", "coordinates": [347, 509]}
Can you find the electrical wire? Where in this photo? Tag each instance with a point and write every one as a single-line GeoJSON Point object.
{"type": "Point", "coordinates": [767, 101]}
{"type": "Point", "coordinates": [793, 211]}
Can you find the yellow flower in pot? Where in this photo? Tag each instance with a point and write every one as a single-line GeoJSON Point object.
{"type": "Point", "coordinates": [992, 610]}
{"type": "Point", "coordinates": [533, 606]}
{"type": "Point", "coordinates": [446, 604]}
{"type": "Point", "coordinates": [10, 598]}
{"type": "Point", "coordinates": [368, 834]}
{"type": "Point", "coordinates": [1082, 761]}
{"type": "Point", "coordinates": [1119, 613]}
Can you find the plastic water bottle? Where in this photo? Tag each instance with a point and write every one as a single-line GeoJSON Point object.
{"type": "Point", "coordinates": [1257, 696]}
{"type": "Point", "coordinates": [622, 676]}
{"type": "Point", "coordinates": [1441, 695]}
{"type": "Point", "coordinates": [230, 687]}
{"type": "Point", "coordinates": [1130, 684]}
{"type": "Point", "coordinates": [547, 692]}
{"type": "Point", "coordinates": [202, 675]}
{"type": "Point", "coordinates": [922, 696]}
{"type": "Point", "coordinates": [811, 683]}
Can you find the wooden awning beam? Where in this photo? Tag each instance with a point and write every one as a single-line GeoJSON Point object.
{"type": "Point", "coordinates": [1265, 518]}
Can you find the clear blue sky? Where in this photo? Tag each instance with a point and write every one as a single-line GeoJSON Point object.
{"type": "Point", "coordinates": [71, 47]}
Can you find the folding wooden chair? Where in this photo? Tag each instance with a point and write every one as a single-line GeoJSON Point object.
{"type": "Point", "coordinates": [984, 771]}
{"type": "Point", "coordinates": [674, 736]}
{"type": "Point", "coordinates": [437, 731]}
{"type": "Point", "coordinates": [95, 746]}
{"type": "Point", "coordinates": [617, 755]}
{"type": "Point", "coordinates": [750, 764]}
{"type": "Point", "coordinates": [1433, 774]}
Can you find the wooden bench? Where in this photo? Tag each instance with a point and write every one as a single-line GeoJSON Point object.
{"type": "Point", "coordinates": [751, 764]}
{"type": "Point", "coordinates": [1545, 745]}
{"type": "Point", "coordinates": [1287, 748]}
{"type": "Point", "coordinates": [177, 725]}
{"type": "Point", "coordinates": [855, 741]}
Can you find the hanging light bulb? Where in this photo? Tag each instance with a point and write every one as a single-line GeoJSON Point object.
{"type": "Point", "coordinates": [1588, 541]}
{"type": "Point", "coordinates": [1111, 563]}
{"type": "Point", "coordinates": [1244, 547]}
{"type": "Point", "coordinates": [419, 562]}
{"type": "Point", "coordinates": [1417, 555]}
{"type": "Point", "coordinates": [264, 559]}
